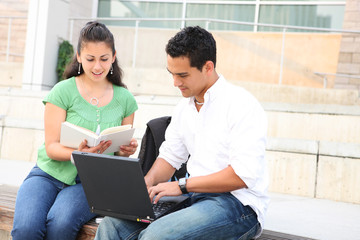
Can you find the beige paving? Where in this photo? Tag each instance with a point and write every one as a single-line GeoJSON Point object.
{"type": "Point", "coordinates": [321, 219]}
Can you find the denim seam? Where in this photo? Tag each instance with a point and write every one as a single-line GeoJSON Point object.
{"type": "Point", "coordinates": [248, 232]}
{"type": "Point", "coordinates": [210, 228]}
{"type": "Point", "coordinates": [135, 233]}
{"type": "Point", "coordinates": [244, 217]}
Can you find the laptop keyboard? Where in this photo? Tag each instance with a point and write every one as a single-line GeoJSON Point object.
{"type": "Point", "coordinates": [162, 207]}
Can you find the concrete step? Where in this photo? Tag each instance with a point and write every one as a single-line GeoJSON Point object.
{"type": "Point", "coordinates": [286, 120]}
{"type": "Point", "coordinates": [157, 81]}
{"type": "Point", "coordinates": [298, 167]}
{"type": "Point", "coordinates": [21, 114]}
{"type": "Point", "coordinates": [317, 169]}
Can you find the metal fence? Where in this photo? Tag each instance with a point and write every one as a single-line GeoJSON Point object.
{"type": "Point", "coordinates": [7, 50]}
{"type": "Point", "coordinates": [207, 22]}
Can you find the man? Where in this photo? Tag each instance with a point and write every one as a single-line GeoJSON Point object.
{"type": "Point", "coordinates": [222, 127]}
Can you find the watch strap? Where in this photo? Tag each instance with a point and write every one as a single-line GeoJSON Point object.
{"type": "Point", "coordinates": [182, 185]}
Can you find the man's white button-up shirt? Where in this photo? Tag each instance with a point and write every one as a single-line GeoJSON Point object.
{"type": "Point", "coordinates": [229, 129]}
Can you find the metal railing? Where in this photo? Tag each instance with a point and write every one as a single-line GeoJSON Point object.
{"type": "Point", "coordinates": [207, 22]}
{"type": "Point", "coordinates": [326, 75]}
{"type": "Point", "coordinates": [8, 52]}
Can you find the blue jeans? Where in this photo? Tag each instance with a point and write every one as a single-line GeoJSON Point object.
{"type": "Point", "coordinates": [208, 216]}
{"type": "Point", "coordinates": [49, 209]}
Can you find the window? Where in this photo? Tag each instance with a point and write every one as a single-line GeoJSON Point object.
{"type": "Point", "coordinates": [303, 15]}
{"type": "Point", "coordinates": [323, 14]}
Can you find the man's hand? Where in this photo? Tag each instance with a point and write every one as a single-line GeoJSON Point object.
{"type": "Point", "coordinates": [164, 189]}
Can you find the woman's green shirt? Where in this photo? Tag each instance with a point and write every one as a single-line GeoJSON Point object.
{"type": "Point", "coordinates": [80, 112]}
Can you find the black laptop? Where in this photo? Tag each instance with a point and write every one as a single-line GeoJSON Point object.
{"type": "Point", "coordinates": [115, 186]}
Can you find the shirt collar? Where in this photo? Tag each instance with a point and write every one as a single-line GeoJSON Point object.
{"type": "Point", "coordinates": [212, 92]}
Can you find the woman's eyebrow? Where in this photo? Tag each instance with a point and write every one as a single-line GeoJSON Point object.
{"type": "Point", "coordinates": [105, 55]}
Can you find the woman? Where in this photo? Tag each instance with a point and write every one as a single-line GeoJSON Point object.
{"type": "Point", "coordinates": [51, 203]}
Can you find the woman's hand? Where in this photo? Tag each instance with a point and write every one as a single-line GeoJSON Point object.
{"type": "Point", "coordinates": [127, 150]}
{"type": "Point", "coordinates": [100, 148]}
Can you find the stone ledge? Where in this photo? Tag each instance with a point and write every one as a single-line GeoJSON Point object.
{"type": "Point", "coordinates": [18, 92]}
{"type": "Point", "coordinates": [330, 109]}
{"type": "Point", "coordinates": [157, 100]}
{"type": "Point", "coordinates": [337, 149]}
{"type": "Point", "coordinates": [324, 148]}
{"type": "Point", "coordinates": [13, 122]}
{"type": "Point", "coordinates": [292, 145]}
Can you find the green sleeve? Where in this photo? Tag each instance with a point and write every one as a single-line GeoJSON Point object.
{"type": "Point", "coordinates": [60, 94]}
{"type": "Point", "coordinates": [131, 105]}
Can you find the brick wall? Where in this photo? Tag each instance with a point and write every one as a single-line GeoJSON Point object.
{"type": "Point", "coordinates": [349, 57]}
{"type": "Point", "coordinates": [13, 8]}
{"type": "Point", "coordinates": [19, 8]}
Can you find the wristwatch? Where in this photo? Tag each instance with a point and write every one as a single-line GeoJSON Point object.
{"type": "Point", "coordinates": [182, 185]}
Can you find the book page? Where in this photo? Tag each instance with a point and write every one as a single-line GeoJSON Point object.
{"type": "Point", "coordinates": [115, 129]}
{"type": "Point", "coordinates": [81, 129]}
{"type": "Point", "coordinates": [72, 135]}
{"type": "Point", "coordinates": [117, 139]}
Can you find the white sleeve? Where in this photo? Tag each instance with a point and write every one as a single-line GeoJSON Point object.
{"type": "Point", "coordinates": [248, 142]}
{"type": "Point", "coordinates": [173, 149]}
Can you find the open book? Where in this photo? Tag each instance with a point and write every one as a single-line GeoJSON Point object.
{"type": "Point", "coordinates": [72, 135]}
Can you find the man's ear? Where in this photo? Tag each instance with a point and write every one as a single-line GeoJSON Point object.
{"type": "Point", "coordinates": [209, 67]}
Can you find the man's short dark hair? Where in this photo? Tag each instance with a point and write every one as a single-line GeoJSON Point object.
{"type": "Point", "coordinates": [195, 43]}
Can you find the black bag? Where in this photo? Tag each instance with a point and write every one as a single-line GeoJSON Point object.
{"type": "Point", "coordinates": [151, 142]}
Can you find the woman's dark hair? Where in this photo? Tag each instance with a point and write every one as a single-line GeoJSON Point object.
{"type": "Point", "coordinates": [195, 43]}
{"type": "Point", "coordinates": [95, 32]}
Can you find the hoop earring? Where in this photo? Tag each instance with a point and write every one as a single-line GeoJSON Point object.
{"type": "Point", "coordinates": [79, 69]}
{"type": "Point", "coordinates": [111, 69]}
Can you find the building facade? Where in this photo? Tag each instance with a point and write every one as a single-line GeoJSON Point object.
{"type": "Point", "coordinates": [51, 21]}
